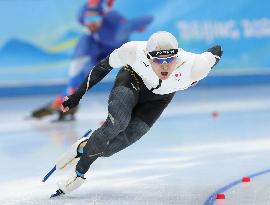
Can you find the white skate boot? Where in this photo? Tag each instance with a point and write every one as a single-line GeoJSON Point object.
{"type": "Point", "coordinates": [69, 185]}
{"type": "Point", "coordinates": [70, 158]}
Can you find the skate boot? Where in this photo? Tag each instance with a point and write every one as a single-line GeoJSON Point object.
{"type": "Point", "coordinates": [70, 184]}
{"type": "Point", "coordinates": [69, 160]}
{"type": "Point", "coordinates": [43, 111]}
{"type": "Point", "coordinates": [72, 156]}
{"type": "Point", "coordinates": [48, 109]}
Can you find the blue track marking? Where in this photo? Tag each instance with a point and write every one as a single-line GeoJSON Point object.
{"type": "Point", "coordinates": [212, 198]}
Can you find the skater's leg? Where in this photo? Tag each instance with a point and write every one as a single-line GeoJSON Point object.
{"type": "Point", "coordinates": [122, 100]}
{"type": "Point", "coordinates": [121, 103]}
{"type": "Point", "coordinates": [144, 115]}
{"type": "Point", "coordinates": [134, 131]}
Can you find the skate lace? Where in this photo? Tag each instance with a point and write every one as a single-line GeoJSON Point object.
{"type": "Point", "coordinates": [71, 180]}
{"type": "Point", "coordinates": [67, 163]}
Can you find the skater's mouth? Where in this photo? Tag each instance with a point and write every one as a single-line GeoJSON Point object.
{"type": "Point", "coordinates": [164, 74]}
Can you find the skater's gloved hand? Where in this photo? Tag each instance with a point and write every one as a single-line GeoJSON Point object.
{"type": "Point", "coordinates": [217, 52]}
{"type": "Point", "coordinates": [69, 102]}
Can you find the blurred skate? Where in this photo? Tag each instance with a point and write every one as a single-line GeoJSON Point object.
{"type": "Point", "coordinates": [55, 108]}
{"type": "Point", "coordinates": [66, 116]}
{"type": "Point", "coordinates": [43, 111]}
{"type": "Point", "coordinates": [48, 109]}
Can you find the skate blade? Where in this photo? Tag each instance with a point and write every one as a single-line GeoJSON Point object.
{"type": "Point", "coordinates": [49, 174]}
{"type": "Point", "coordinates": [58, 193]}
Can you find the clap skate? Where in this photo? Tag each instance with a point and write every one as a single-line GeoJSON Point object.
{"type": "Point", "coordinates": [70, 158]}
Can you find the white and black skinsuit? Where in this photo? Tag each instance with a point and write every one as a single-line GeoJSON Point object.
{"type": "Point", "coordinates": [138, 96]}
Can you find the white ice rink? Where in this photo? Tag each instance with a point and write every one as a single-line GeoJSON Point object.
{"type": "Point", "coordinates": [186, 157]}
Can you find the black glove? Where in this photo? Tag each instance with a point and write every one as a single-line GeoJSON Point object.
{"type": "Point", "coordinates": [72, 101]}
{"type": "Point", "coordinates": [217, 51]}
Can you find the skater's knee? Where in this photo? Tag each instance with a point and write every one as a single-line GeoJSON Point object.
{"type": "Point", "coordinates": [114, 124]}
{"type": "Point", "coordinates": [136, 129]}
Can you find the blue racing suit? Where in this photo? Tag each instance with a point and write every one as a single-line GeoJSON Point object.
{"type": "Point", "coordinates": [92, 47]}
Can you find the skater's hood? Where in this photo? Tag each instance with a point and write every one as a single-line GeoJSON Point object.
{"type": "Point", "coordinates": [161, 40]}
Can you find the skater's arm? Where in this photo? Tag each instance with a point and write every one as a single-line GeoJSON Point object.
{"type": "Point", "coordinates": [204, 62]}
{"type": "Point", "coordinates": [122, 56]}
{"type": "Point", "coordinates": [139, 23]}
{"type": "Point", "coordinates": [118, 58]}
{"type": "Point", "coordinates": [99, 71]}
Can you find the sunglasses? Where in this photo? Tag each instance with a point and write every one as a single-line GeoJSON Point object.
{"type": "Point", "coordinates": [92, 19]}
{"type": "Point", "coordinates": [161, 60]}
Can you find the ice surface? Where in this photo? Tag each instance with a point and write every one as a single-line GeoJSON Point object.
{"type": "Point", "coordinates": [185, 157]}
